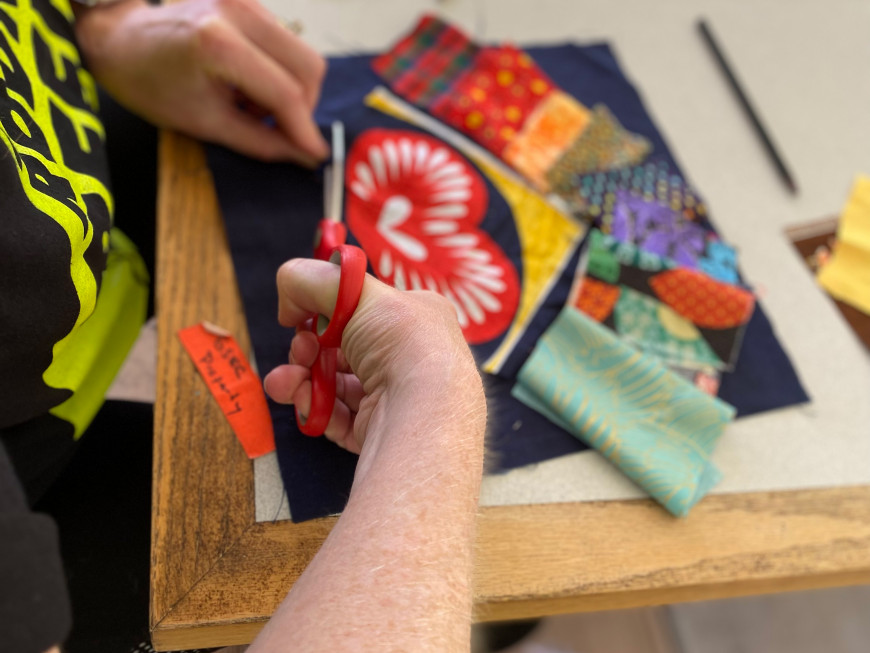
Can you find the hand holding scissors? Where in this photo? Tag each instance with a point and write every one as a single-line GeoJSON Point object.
{"type": "Point", "coordinates": [329, 245]}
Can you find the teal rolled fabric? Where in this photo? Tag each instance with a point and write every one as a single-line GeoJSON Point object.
{"type": "Point", "coordinates": [656, 427]}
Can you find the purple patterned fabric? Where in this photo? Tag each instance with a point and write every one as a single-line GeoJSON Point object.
{"type": "Point", "coordinates": [657, 229]}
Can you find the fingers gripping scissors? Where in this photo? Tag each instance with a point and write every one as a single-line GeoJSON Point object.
{"type": "Point", "coordinates": [329, 245]}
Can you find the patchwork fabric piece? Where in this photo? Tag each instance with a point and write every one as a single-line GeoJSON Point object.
{"type": "Point", "coordinates": [719, 261]}
{"type": "Point", "coordinates": [505, 101]}
{"type": "Point", "coordinates": [492, 101]}
{"type": "Point", "coordinates": [660, 230]}
{"type": "Point", "coordinates": [556, 123]}
{"type": "Point", "coordinates": [655, 180]}
{"type": "Point", "coordinates": [416, 206]}
{"type": "Point", "coordinates": [651, 206]}
{"type": "Point", "coordinates": [683, 316]}
{"type": "Point", "coordinates": [271, 212]}
{"type": "Point", "coordinates": [423, 66]}
{"type": "Point", "coordinates": [656, 329]}
{"type": "Point", "coordinates": [657, 229]}
{"type": "Point", "coordinates": [603, 145]}
{"type": "Point", "coordinates": [702, 300]}
{"type": "Point", "coordinates": [597, 299]}
{"type": "Point", "coordinates": [655, 427]}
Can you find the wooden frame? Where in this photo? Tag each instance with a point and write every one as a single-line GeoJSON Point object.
{"type": "Point", "coordinates": [217, 575]}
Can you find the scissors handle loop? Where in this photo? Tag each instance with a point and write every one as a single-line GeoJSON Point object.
{"type": "Point", "coordinates": [329, 332]}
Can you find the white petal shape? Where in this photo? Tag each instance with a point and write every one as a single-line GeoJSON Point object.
{"type": "Point", "coordinates": [431, 284]}
{"type": "Point", "coordinates": [460, 313]}
{"type": "Point", "coordinates": [438, 227]}
{"type": "Point", "coordinates": [391, 153]}
{"type": "Point", "coordinates": [385, 266]}
{"type": "Point", "coordinates": [456, 195]}
{"type": "Point", "coordinates": [365, 174]}
{"type": "Point", "coordinates": [489, 302]}
{"type": "Point", "coordinates": [395, 211]}
{"type": "Point", "coordinates": [399, 277]}
{"type": "Point", "coordinates": [376, 159]}
{"type": "Point", "coordinates": [455, 181]}
{"type": "Point", "coordinates": [421, 155]}
{"type": "Point", "coordinates": [489, 270]}
{"type": "Point", "coordinates": [472, 307]}
{"type": "Point", "coordinates": [473, 255]}
{"type": "Point", "coordinates": [360, 190]}
{"type": "Point", "coordinates": [451, 169]}
{"type": "Point", "coordinates": [459, 240]}
{"type": "Point", "coordinates": [437, 159]}
{"type": "Point", "coordinates": [414, 280]}
{"type": "Point", "coordinates": [447, 211]}
{"type": "Point", "coordinates": [406, 153]}
{"type": "Point", "coordinates": [495, 285]}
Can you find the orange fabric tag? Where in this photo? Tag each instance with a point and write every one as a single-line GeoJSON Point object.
{"type": "Point", "coordinates": [237, 388]}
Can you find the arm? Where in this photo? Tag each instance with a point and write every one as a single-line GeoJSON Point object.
{"type": "Point", "coordinates": [185, 64]}
{"type": "Point", "coordinates": [395, 572]}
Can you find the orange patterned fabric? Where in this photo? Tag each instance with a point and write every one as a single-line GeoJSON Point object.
{"type": "Point", "coordinates": [597, 298]}
{"type": "Point", "coordinates": [702, 300]}
{"type": "Point", "coordinates": [493, 99]}
{"type": "Point", "coordinates": [554, 125]}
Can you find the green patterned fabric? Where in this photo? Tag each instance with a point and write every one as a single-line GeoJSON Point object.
{"type": "Point", "coordinates": [655, 427]}
{"type": "Point", "coordinates": [656, 329]}
{"type": "Point", "coordinates": [602, 244]}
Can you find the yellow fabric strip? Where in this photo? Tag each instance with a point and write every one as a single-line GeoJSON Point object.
{"type": "Point", "coordinates": [847, 275]}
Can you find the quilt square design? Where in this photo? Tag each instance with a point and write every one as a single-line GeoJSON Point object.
{"type": "Point", "coordinates": [684, 317]}
{"type": "Point", "coordinates": [603, 145]}
{"type": "Point", "coordinates": [554, 125]}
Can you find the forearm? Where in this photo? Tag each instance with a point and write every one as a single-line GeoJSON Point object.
{"type": "Point", "coordinates": [395, 572]}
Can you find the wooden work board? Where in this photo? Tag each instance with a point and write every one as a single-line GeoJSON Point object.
{"type": "Point", "coordinates": [217, 575]}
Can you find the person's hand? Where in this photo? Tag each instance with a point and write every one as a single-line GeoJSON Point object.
{"type": "Point", "coordinates": [402, 352]}
{"type": "Point", "coordinates": [184, 65]}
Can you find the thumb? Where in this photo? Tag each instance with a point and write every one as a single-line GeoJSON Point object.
{"type": "Point", "coordinates": [307, 286]}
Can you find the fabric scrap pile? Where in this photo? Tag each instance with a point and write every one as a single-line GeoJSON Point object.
{"type": "Point", "coordinates": [656, 273]}
{"type": "Point", "coordinates": [533, 190]}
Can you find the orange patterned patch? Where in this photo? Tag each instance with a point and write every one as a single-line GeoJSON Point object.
{"type": "Point", "coordinates": [555, 123]}
{"type": "Point", "coordinates": [706, 302]}
{"type": "Point", "coordinates": [596, 298]}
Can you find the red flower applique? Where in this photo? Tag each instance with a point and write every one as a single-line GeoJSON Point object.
{"type": "Point", "coordinates": [415, 205]}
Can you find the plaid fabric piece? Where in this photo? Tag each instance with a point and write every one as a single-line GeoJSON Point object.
{"type": "Point", "coordinates": [423, 65]}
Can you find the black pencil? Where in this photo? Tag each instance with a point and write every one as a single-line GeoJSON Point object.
{"type": "Point", "coordinates": [748, 109]}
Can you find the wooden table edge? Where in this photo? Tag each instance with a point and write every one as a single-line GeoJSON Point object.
{"type": "Point", "coordinates": [217, 575]}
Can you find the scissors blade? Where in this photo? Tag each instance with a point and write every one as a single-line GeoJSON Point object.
{"type": "Point", "coordinates": [335, 181]}
{"type": "Point", "coordinates": [327, 192]}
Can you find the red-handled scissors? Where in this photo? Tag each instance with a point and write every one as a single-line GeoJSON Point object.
{"type": "Point", "coordinates": [329, 245]}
